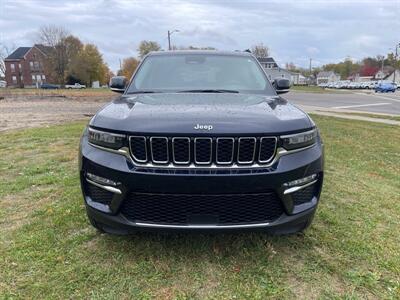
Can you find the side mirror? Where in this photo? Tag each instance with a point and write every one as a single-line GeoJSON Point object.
{"type": "Point", "coordinates": [118, 84]}
{"type": "Point", "coordinates": [281, 85]}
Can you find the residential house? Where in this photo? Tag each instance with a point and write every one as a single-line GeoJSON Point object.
{"type": "Point", "coordinates": [394, 76]}
{"type": "Point", "coordinates": [273, 70]}
{"type": "Point", "coordinates": [383, 73]}
{"type": "Point", "coordinates": [267, 62]}
{"type": "Point", "coordinates": [327, 77]}
{"type": "Point", "coordinates": [356, 77]}
{"type": "Point", "coordinates": [298, 79]}
{"type": "Point", "coordinates": [25, 66]}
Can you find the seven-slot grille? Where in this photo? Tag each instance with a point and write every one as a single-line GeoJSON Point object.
{"type": "Point", "coordinates": [202, 151]}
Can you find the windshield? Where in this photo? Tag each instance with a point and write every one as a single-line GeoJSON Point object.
{"type": "Point", "coordinates": [200, 73]}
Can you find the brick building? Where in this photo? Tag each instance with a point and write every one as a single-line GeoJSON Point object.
{"type": "Point", "coordinates": [25, 67]}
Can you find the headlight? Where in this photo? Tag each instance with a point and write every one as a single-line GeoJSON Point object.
{"type": "Point", "coordinates": [106, 139]}
{"type": "Point", "coordinates": [299, 140]}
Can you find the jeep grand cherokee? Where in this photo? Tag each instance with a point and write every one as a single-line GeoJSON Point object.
{"type": "Point", "coordinates": [200, 140]}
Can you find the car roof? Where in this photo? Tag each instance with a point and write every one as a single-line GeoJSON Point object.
{"type": "Point", "coordinates": [200, 52]}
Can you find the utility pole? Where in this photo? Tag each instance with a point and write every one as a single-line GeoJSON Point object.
{"type": "Point", "coordinates": [169, 37]}
{"type": "Point", "coordinates": [395, 63]}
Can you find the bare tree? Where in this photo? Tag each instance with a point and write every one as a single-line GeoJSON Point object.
{"type": "Point", "coordinates": [5, 51]}
{"type": "Point", "coordinates": [55, 37]}
{"type": "Point", "coordinates": [260, 50]}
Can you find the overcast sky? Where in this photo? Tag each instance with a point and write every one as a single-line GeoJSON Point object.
{"type": "Point", "coordinates": [327, 31]}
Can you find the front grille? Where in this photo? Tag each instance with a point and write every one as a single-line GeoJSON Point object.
{"type": "Point", "coordinates": [202, 151]}
{"type": "Point", "coordinates": [181, 209]}
{"type": "Point", "coordinates": [99, 195]}
{"type": "Point", "coordinates": [304, 195]}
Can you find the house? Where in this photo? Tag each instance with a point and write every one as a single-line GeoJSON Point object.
{"type": "Point", "coordinates": [273, 70]}
{"type": "Point", "coordinates": [327, 77]}
{"type": "Point", "coordinates": [25, 67]}
{"type": "Point", "coordinates": [358, 78]}
{"type": "Point", "coordinates": [299, 79]}
{"type": "Point", "coordinates": [267, 62]}
{"type": "Point", "coordinates": [383, 73]}
{"type": "Point", "coordinates": [394, 76]}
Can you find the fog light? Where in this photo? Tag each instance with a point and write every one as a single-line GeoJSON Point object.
{"type": "Point", "coordinates": [100, 180]}
{"type": "Point", "coordinates": [300, 181]}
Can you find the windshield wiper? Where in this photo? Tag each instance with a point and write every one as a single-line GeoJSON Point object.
{"type": "Point", "coordinates": [143, 92]}
{"type": "Point", "coordinates": [210, 91]}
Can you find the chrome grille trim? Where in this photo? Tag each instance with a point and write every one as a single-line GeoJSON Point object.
{"type": "Point", "coordinates": [212, 162]}
{"type": "Point", "coordinates": [173, 150]}
{"type": "Point", "coordinates": [211, 151]}
{"type": "Point", "coordinates": [233, 150]}
{"type": "Point", "coordinates": [259, 150]}
{"type": "Point", "coordinates": [125, 153]}
{"type": "Point", "coordinates": [145, 148]}
{"type": "Point", "coordinates": [254, 150]}
{"type": "Point", "coordinates": [152, 153]}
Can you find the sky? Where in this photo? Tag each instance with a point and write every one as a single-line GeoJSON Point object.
{"type": "Point", "coordinates": [295, 31]}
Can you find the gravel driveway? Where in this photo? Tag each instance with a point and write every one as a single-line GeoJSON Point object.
{"type": "Point", "coordinates": [25, 111]}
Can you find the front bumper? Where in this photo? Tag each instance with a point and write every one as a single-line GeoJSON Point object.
{"type": "Point", "coordinates": [130, 179]}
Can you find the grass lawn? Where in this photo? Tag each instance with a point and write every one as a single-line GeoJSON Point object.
{"type": "Point", "coordinates": [48, 249]}
{"type": "Point", "coordinates": [315, 89]}
{"type": "Point", "coordinates": [376, 116]}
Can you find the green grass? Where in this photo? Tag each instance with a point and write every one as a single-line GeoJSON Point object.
{"type": "Point", "coordinates": [315, 89]}
{"type": "Point", "coordinates": [48, 249]}
{"type": "Point", "coordinates": [375, 116]}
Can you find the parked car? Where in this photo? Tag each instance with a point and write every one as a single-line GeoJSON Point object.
{"type": "Point", "coordinates": [201, 141]}
{"type": "Point", "coordinates": [385, 87]}
{"type": "Point", "coordinates": [3, 84]}
{"type": "Point", "coordinates": [49, 86]}
{"type": "Point", "coordinates": [75, 86]}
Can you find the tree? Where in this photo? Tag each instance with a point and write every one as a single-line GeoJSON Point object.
{"type": "Point", "coordinates": [4, 52]}
{"type": "Point", "coordinates": [55, 38]}
{"type": "Point", "coordinates": [88, 66]}
{"type": "Point", "coordinates": [344, 68]}
{"type": "Point", "coordinates": [73, 46]}
{"type": "Point", "coordinates": [193, 48]}
{"type": "Point", "coordinates": [129, 65]}
{"type": "Point", "coordinates": [291, 67]}
{"type": "Point", "coordinates": [260, 50]}
{"type": "Point", "coordinates": [146, 47]}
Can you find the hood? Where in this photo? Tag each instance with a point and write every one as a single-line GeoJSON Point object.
{"type": "Point", "coordinates": [180, 113]}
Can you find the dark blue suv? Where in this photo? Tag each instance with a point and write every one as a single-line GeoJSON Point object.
{"type": "Point", "coordinates": [201, 140]}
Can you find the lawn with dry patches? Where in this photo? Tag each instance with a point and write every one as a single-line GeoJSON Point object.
{"type": "Point", "coordinates": [49, 250]}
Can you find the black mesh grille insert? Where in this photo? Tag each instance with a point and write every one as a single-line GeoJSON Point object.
{"type": "Point", "coordinates": [180, 209]}
{"type": "Point", "coordinates": [267, 149]}
{"type": "Point", "coordinates": [99, 195]}
{"type": "Point", "coordinates": [304, 195]}
{"type": "Point", "coordinates": [159, 148]}
{"type": "Point", "coordinates": [202, 152]}
{"type": "Point", "coordinates": [246, 150]}
{"type": "Point", "coordinates": [138, 148]}
{"type": "Point", "coordinates": [225, 150]}
{"type": "Point", "coordinates": [181, 150]}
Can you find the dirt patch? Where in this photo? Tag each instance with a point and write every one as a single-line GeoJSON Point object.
{"type": "Point", "coordinates": [17, 209]}
{"type": "Point", "coordinates": [25, 111]}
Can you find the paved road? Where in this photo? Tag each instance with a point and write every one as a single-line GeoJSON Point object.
{"type": "Point", "coordinates": [388, 103]}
